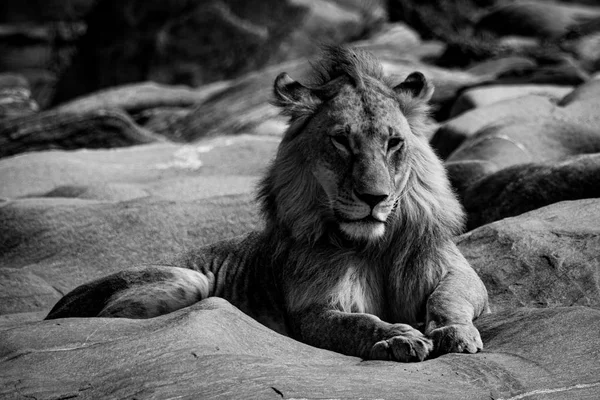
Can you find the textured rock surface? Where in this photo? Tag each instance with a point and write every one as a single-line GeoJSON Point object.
{"type": "Point", "coordinates": [528, 129]}
{"type": "Point", "coordinates": [515, 190]}
{"type": "Point", "coordinates": [544, 258]}
{"type": "Point", "coordinates": [535, 18]}
{"type": "Point", "coordinates": [71, 217]}
{"type": "Point", "coordinates": [456, 130]}
{"type": "Point", "coordinates": [213, 351]}
{"type": "Point", "coordinates": [577, 108]}
{"type": "Point", "coordinates": [486, 95]}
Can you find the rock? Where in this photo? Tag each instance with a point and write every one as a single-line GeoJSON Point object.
{"type": "Point", "coordinates": [161, 120]}
{"type": "Point", "coordinates": [397, 37]}
{"type": "Point", "coordinates": [529, 141]}
{"type": "Point", "coordinates": [137, 97]}
{"type": "Point", "coordinates": [523, 142]}
{"type": "Point", "coordinates": [502, 65]}
{"type": "Point", "coordinates": [198, 42]}
{"type": "Point", "coordinates": [563, 71]}
{"type": "Point", "coordinates": [27, 11]}
{"type": "Point", "coordinates": [40, 46]}
{"type": "Point", "coordinates": [15, 97]}
{"type": "Point", "coordinates": [462, 174]}
{"type": "Point", "coordinates": [243, 106]}
{"type": "Point", "coordinates": [546, 20]}
{"type": "Point", "coordinates": [563, 132]}
{"type": "Point", "coordinates": [103, 128]}
{"type": "Point", "coordinates": [455, 131]}
{"type": "Point", "coordinates": [588, 93]}
{"type": "Point", "coordinates": [587, 50]}
{"type": "Point", "coordinates": [524, 187]}
{"type": "Point", "coordinates": [544, 258]}
{"type": "Point", "coordinates": [213, 351]}
{"type": "Point", "coordinates": [486, 95]}
{"type": "Point", "coordinates": [471, 130]}
{"type": "Point", "coordinates": [70, 217]}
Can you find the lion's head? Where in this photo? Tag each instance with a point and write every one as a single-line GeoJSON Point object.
{"type": "Point", "coordinates": [354, 162]}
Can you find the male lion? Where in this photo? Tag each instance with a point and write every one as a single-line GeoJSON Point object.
{"type": "Point", "coordinates": [359, 225]}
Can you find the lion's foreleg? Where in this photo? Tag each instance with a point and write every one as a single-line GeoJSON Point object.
{"type": "Point", "coordinates": [360, 335]}
{"type": "Point", "coordinates": [459, 298]}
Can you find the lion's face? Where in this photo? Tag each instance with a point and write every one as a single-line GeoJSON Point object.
{"type": "Point", "coordinates": [359, 146]}
{"type": "Point", "coordinates": [353, 151]}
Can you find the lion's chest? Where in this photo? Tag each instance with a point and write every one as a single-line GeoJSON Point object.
{"type": "Point", "coordinates": [359, 289]}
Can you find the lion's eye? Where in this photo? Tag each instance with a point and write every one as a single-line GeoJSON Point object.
{"type": "Point", "coordinates": [341, 142]}
{"type": "Point", "coordinates": [395, 143]}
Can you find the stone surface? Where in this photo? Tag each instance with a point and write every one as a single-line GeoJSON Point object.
{"type": "Point", "coordinates": [515, 190]}
{"type": "Point", "coordinates": [100, 128]}
{"type": "Point", "coordinates": [486, 95]}
{"type": "Point", "coordinates": [516, 131]}
{"type": "Point", "coordinates": [544, 258]}
{"type": "Point", "coordinates": [15, 97]}
{"type": "Point", "coordinates": [69, 217]}
{"type": "Point", "coordinates": [213, 351]}
{"type": "Point", "coordinates": [535, 18]}
{"type": "Point", "coordinates": [455, 131]}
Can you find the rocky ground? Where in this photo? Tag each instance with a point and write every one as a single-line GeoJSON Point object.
{"type": "Point", "coordinates": [144, 171]}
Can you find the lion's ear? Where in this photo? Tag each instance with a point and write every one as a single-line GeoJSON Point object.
{"type": "Point", "coordinates": [292, 97]}
{"type": "Point", "coordinates": [416, 86]}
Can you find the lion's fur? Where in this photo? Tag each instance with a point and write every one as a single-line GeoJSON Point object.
{"type": "Point", "coordinates": [426, 217]}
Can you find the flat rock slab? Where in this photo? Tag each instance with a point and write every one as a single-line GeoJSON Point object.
{"type": "Point", "coordinates": [70, 217]}
{"type": "Point", "coordinates": [544, 258]}
{"type": "Point", "coordinates": [213, 351]}
{"type": "Point", "coordinates": [153, 169]}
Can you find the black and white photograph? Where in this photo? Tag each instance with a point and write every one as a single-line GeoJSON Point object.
{"type": "Point", "coordinates": [300, 199]}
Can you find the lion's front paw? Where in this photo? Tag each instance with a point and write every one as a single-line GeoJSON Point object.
{"type": "Point", "coordinates": [456, 339]}
{"type": "Point", "coordinates": [408, 345]}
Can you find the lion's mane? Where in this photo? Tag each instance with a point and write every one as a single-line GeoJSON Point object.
{"type": "Point", "coordinates": [427, 213]}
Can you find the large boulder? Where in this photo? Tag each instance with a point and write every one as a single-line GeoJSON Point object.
{"type": "Point", "coordinates": [528, 129]}
{"type": "Point", "coordinates": [577, 106]}
{"type": "Point", "coordinates": [486, 95]}
{"type": "Point", "coordinates": [454, 132]}
{"type": "Point", "coordinates": [520, 188]}
{"type": "Point", "coordinates": [101, 128]}
{"type": "Point", "coordinates": [69, 217]}
{"type": "Point", "coordinates": [213, 351]}
{"type": "Point", "coordinates": [544, 258]}
{"type": "Point", "coordinates": [197, 42]}
{"type": "Point", "coordinates": [546, 20]}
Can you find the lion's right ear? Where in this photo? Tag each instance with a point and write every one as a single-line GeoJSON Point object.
{"type": "Point", "coordinates": [416, 87]}
{"type": "Point", "coordinates": [294, 99]}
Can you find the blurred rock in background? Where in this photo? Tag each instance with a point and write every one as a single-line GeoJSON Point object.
{"type": "Point", "coordinates": [38, 38]}
{"type": "Point", "coordinates": [194, 42]}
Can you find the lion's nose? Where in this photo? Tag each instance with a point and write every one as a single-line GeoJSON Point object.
{"type": "Point", "coordinates": [371, 199]}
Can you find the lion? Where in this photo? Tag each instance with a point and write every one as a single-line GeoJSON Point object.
{"type": "Point", "coordinates": [357, 253]}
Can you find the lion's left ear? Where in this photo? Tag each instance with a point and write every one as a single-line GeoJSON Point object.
{"type": "Point", "coordinates": [292, 97]}
{"type": "Point", "coordinates": [416, 86]}
{"type": "Point", "coordinates": [297, 100]}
